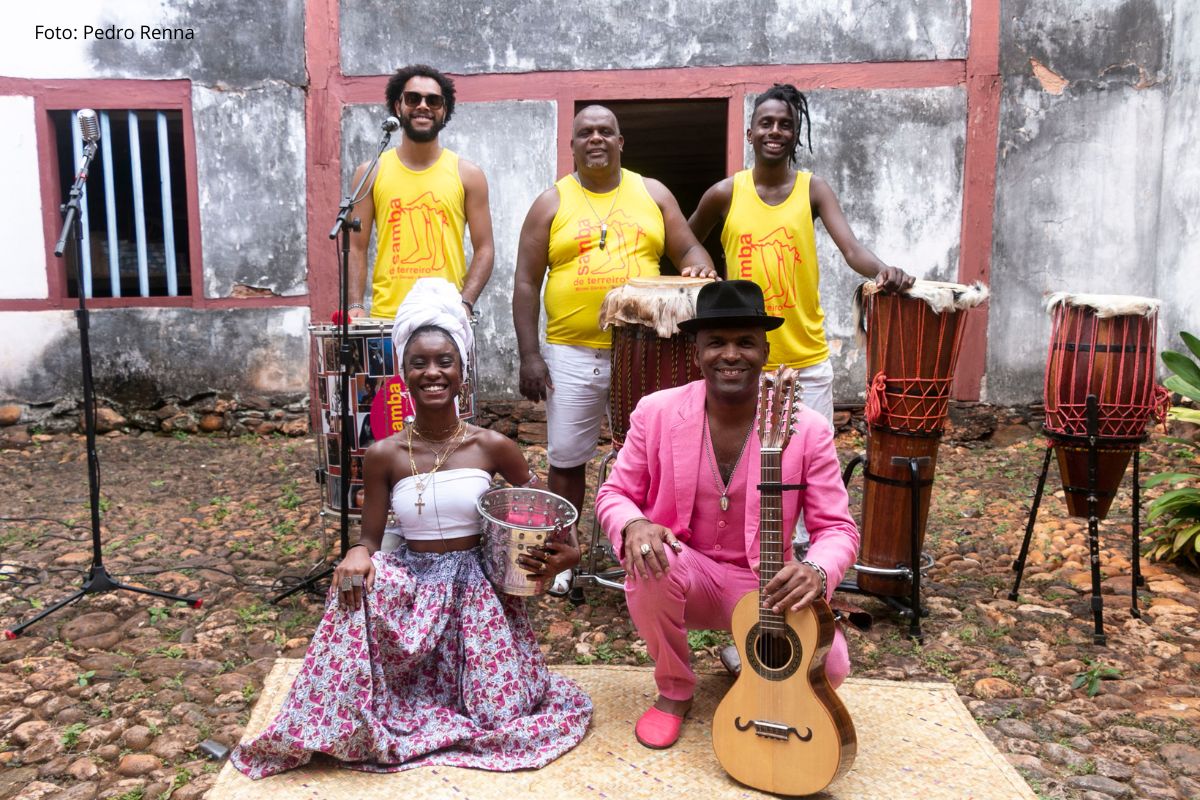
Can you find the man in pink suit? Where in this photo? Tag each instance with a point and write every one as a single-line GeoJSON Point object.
{"type": "Point", "coordinates": [681, 508]}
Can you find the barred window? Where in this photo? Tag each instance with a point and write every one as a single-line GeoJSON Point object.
{"type": "Point", "coordinates": [135, 223]}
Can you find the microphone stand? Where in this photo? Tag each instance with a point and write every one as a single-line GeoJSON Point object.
{"type": "Point", "coordinates": [98, 580]}
{"type": "Point", "coordinates": [343, 225]}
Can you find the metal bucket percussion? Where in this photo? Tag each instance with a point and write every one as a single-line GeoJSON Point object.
{"type": "Point", "coordinates": [514, 522]}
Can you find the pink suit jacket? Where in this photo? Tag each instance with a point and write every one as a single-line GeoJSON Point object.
{"type": "Point", "coordinates": [655, 475]}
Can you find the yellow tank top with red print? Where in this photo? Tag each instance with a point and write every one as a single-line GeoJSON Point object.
{"type": "Point", "coordinates": [420, 218]}
{"type": "Point", "coordinates": [775, 247]}
{"type": "Point", "coordinates": [582, 272]}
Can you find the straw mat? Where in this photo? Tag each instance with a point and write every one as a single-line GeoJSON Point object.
{"type": "Point", "coordinates": [915, 740]}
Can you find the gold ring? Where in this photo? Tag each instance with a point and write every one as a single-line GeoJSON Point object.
{"type": "Point", "coordinates": [345, 584]}
{"type": "Point", "coordinates": [645, 549]}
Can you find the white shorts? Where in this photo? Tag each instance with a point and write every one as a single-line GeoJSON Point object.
{"type": "Point", "coordinates": [816, 388]}
{"type": "Point", "coordinates": [577, 405]}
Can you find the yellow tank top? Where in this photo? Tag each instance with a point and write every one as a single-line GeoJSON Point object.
{"type": "Point", "coordinates": [775, 247]}
{"type": "Point", "coordinates": [581, 273]}
{"type": "Point", "coordinates": [419, 223]}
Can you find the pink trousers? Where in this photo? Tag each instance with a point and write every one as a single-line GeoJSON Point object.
{"type": "Point", "coordinates": [697, 593]}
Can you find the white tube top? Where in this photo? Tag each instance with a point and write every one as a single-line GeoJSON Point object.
{"type": "Point", "coordinates": [449, 510]}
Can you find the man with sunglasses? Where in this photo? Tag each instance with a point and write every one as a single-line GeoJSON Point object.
{"type": "Point", "coordinates": [422, 198]}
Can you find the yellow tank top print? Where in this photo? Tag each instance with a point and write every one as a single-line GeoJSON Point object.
{"type": "Point", "coordinates": [420, 219]}
{"type": "Point", "coordinates": [775, 247]}
{"type": "Point", "coordinates": [581, 272]}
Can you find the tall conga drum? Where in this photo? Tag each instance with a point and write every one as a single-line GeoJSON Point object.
{"type": "Point", "coordinates": [648, 351]}
{"type": "Point", "coordinates": [913, 340]}
{"type": "Point", "coordinates": [1104, 346]}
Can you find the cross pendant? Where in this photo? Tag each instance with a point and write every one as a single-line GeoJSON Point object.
{"type": "Point", "coordinates": [420, 504]}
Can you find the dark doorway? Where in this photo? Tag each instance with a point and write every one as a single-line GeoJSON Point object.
{"type": "Point", "coordinates": [679, 142]}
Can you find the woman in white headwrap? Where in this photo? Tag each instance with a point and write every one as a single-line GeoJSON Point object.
{"type": "Point", "coordinates": [418, 661]}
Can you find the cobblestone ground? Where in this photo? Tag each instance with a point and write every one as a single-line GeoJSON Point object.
{"type": "Point", "coordinates": [111, 697]}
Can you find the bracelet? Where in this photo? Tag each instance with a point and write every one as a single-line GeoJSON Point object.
{"type": "Point", "coordinates": [359, 306]}
{"type": "Point", "coordinates": [363, 545]}
{"type": "Point", "coordinates": [625, 527]}
{"type": "Point", "coordinates": [821, 572]}
{"type": "Point", "coordinates": [469, 305]}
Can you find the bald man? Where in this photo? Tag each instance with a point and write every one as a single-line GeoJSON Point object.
{"type": "Point", "coordinates": [592, 231]}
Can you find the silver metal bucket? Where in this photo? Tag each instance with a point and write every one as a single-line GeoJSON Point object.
{"type": "Point", "coordinates": [515, 521]}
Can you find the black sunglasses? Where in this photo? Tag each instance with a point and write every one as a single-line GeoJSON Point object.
{"type": "Point", "coordinates": [433, 101]}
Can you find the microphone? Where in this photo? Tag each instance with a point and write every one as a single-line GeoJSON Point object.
{"type": "Point", "coordinates": [390, 124]}
{"type": "Point", "coordinates": [89, 125]}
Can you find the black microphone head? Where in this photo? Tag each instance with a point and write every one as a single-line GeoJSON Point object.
{"type": "Point", "coordinates": [390, 124]}
{"type": "Point", "coordinates": [89, 125]}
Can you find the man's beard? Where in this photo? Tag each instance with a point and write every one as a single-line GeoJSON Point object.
{"type": "Point", "coordinates": [421, 135]}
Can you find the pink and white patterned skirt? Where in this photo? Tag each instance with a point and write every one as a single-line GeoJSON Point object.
{"type": "Point", "coordinates": [438, 670]}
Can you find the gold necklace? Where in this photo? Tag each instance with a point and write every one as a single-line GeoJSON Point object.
{"type": "Point", "coordinates": [611, 206]}
{"type": "Point", "coordinates": [452, 431]}
{"type": "Point", "coordinates": [709, 450]}
{"type": "Point", "coordinates": [438, 460]}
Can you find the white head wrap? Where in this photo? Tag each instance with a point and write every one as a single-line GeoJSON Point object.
{"type": "Point", "coordinates": [433, 301]}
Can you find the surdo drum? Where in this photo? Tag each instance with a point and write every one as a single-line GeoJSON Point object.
{"type": "Point", "coordinates": [514, 522]}
{"type": "Point", "coordinates": [379, 401]}
{"type": "Point", "coordinates": [648, 351]}
{"type": "Point", "coordinates": [913, 341]}
{"type": "Point", "coordinates": [1101, 345]}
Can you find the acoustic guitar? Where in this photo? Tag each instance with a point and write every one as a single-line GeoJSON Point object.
{"type": "Point", "coordinates": [781, 727]}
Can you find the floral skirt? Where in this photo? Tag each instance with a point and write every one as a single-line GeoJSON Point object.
{"type": "Point", "coordinates": [438, 669]}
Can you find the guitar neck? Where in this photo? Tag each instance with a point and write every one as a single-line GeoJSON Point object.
{"type": "Point", "coordinates": [770, 530]}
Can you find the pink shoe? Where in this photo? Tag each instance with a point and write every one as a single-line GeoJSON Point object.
{"type": "Point", "coordinates": [658, 730]}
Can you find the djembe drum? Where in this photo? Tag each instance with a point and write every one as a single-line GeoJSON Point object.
{"type": "Point", "coordinates": [1103, 346]}
{"type": "Point", "coordinates": [648, 351]}
{"type": "Point", "coordinates": [913, 340]}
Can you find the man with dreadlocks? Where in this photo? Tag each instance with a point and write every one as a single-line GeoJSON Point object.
{"type": "Point", "coordinates": [768, 237]}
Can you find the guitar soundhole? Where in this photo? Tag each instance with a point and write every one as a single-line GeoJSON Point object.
{"type": "Point", "coordinates": [774, 654]}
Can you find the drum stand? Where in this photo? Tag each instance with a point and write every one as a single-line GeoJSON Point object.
{"type": "Point", "coordinates": [343, 225]}
{"type": "Point", "coordinates": [611, 578]}
{"type": "Point", "coordinates": [98, 580]}
{"type": "Point", "coordinates": [920, 562]}
{"type": "Point", "coordinates": [1091, 442]}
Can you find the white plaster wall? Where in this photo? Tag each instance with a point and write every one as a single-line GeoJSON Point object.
{"type": "Point", "coordinates": [1177, 266]}
{"type": "Point", "coordinates": [24, 56]}
{"type": "Point", "coordinates": [23, 257]}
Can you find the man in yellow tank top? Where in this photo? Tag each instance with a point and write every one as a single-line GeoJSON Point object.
{"type": "Point", "coordinates": [593, 230]}
{"type": "Point", "coordinates": [768, 237]}
{"type": "Point", "coordinates": [422, 198]}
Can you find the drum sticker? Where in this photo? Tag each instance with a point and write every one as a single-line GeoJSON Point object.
{"type": "Point", "coordinates": [390, 408]}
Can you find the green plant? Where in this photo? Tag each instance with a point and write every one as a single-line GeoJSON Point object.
{"type": "Point", "coordinates": [291, 498]}
{"type": "Point", "coordinates": [1176, 536]}
{"type": "Point", "coordinates": [84, 678]}
{"type": "Point", "coordinates": [158, 614]}
{"type": "Point", "coordinates": [71, 733]}
{"type": "Point", "coordinates": [699, 639]}
{"type": "Point", "coordinates": [1091, 677]}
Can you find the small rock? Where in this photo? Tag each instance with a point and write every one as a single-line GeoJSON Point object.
{"type": "Point", "coordinates": [1030, 765]}
{"type": "Point", "coordinates": [1066, 722]}
{"type": "Point", "coordinates": [44, 746]}
{"type": "Point", "coordinates": [82, 769]}
{"type": "Point", "coordinates": [1030, 608]}
{"type": "Point", "coordinates": [13, 720]}
{"type": "Point", "coordinates": [1058, 754]}
{"type": "Point", "coordinates": [559, 629]}
{"type": "Point", "coordinates": [993, 688]}
{"type": "Point", "coordinates": [1049, 688]}
{"type": "Point", "coordinates": [130, 787]}
{"type": "Point", "coordinates": [9, 415]}
{"type": "Point", "coordinates": [138, 764]}
{"type": "Point", "coordinates": [1101, 784]}
{"type": "Point", "coordinates": [1113, 769]}
{"type": "Point", "coordinates": [108, 752]}
{"type": "Point", "coordinates": [169, 748]}
{"type": "Point", "coordinates": [38, 790]}
{"type": "Point", "coordinates": [80, 791]}
{"type": "Point", "coordinates": [211, 423]}
{"type": "Point", "coordinates": [1016, 729]}
{"type": "Point", "coordinates": [108, 420]}
{"type": "Point", "coordinates": [1135, 736]}
{"type": "Point", "coordinates": [137, 737]}
{"type": "Point", "coordinates": [1181, 758]}
{"type": "Point", "coordinates": [28, 732]}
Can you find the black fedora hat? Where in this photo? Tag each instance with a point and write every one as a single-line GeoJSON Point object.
{"type": "Point", "coordinates": [730, 304]}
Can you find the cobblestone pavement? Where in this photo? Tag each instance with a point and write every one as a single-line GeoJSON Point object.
{"type": "Point", "coordinates": [111, 697]}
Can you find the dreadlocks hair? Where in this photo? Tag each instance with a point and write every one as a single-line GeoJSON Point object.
{"type": "Point", "coordinates": [795, 100]}
{"type": "Point", "coordinates": [395, 86]}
